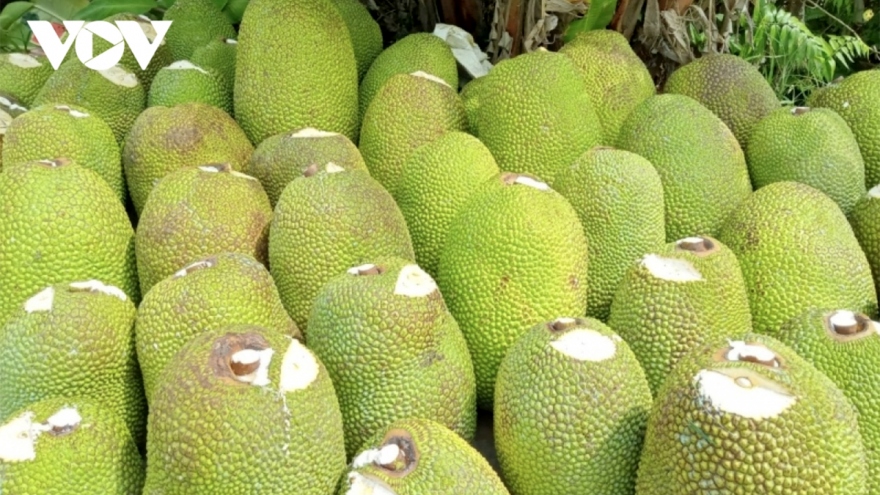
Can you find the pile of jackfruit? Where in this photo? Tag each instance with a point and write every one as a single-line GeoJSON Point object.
{"type": "Point", "coordinates": [281, 259]}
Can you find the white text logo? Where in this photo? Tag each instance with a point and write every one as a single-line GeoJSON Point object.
{"type": "Point", "coordinates": [82, 34]}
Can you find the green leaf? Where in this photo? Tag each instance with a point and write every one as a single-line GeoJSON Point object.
{"type": "Point", "coordinates": [58, 10]}
{"type": "Point", "coordinates": [235, 10]}
{"type": "Point", "coordinates": [13, 12]}
{"type": "Point", "coordinates": [598, 16]}
{"type": "Point", "coordinates": [221, 4]}
{"type": "Point", "coordinates": [164, 4]}
{"type": "Point", "coordinates": [102, 9]}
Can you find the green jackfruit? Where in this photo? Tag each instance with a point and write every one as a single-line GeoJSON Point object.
{"type": "Point", "coordinates": [365, 33]}
{"type": "Point", "coordinates": [618, 197]}
{"type": "Point", "coordinates": [283, 80]}
{"type": "Point", "coordinates": [281, 158]}
{"type": "Point", "coordinates": [750, 416]}
{"type": "Point", "coordinates": [199, 211]}
{"type": "Point", "coordinates": [857, 101]}
{"type": "Point", "coordinates": [729, 86]}
{"type": "Point", "coordinates": [865, 222]}
{"type": "Point", "coordinates": [535, 132]}
{"type": "Point", "coordinates": [700, 162]}
{"type": "Point", "coordinates": [514, 256]}
{"type": "Point", "coordinates": [410, 110]}
{"type": "Point", "coordinates": [218, 290]}
{"type": "Point", "coordinates": [67, 225]}
{"type": "Point", "coordinates": [412, 360]}
{"type": "Point", "coordinates": [74, 340]}
{"type": "Point", "coordinates": [114, 94]}
{"type": "Point", "coordinates": [68, 447]}
{"type": "Point", "coordinates": [62, 131]}
{"type": "Point", "coordinates": [416, 52]}
{"type": "Point", "coordinates": [797, 252]}
{"type": "Point", "coordinates": [185, 82]}
{"type": "Point", "coordinates": [161, 58]}
{"type": "Point", "coordinates": [220, 55]}
{"type": "Point", "coordinates": [616, 78]}
{"type": "Point", "coordinates": [163, 140]}
{"type": "Point", "coordinates": [195, 24]}
{"type": "Point", "coordinates": [437, 181]}
{"type": "Point", "coordinates": [23, 74]}
{"type": "Point", "coordinates": [580, 373]}
{"type": "Point", "coordinates": [813, 146]}
{"type": "Point", "coordinates": [419, 457]}
{"type": "Point", "coordinates": [243, 408]}
{"type": "Point", "coordinates": [10, 108]}
{"type": "Point", "coordinates": [845, 347]}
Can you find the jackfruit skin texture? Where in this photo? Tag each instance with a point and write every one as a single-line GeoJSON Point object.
{"type": "Point", "coordinates": [729, 86]}
{"type": "Point", "coordinates": [412, 360]}
{"type": "Point", "coordinates": [692, 447]}
{"type": "Point", "coordinates": [325, 224]}
{"type": "Point", "coordinates": [210, 433]}
{"type": "Point", "coordinates": [99, 456]}
{"type": "Point", "coordinates": [615, 77]}
{"type": "Point", "coordinates": [446, 462]}
{"type": "Point", "coordinates": [218, 290]}
{"type": "Point", "coordinates": [160, 59]}
{"type": "Point", "coordinates": [75, 84]}
{"type": "Point", "coordinates": [850, 363]}
{"type": "Point", "coordinates": [407, 112]}
{"type": "Point", "coordinates": [701, 164]}
{"type": "Point", "coordinates": [412, 53]}
{"type": "Point", "coordinates": [177, 86]}
{"type": "Point", "coordinates": [599, 409]}
{"type": "Point", "coordinates": [662, 320]}
{"type": "Point", "coordinates": [438, 180]}
{"type": "Point", "coordinates": [816, 148]}
{"type": "Point", "coordinates": [366, 35]}
{"type": "Point", "coordinates": [281, 158]}
{"type": "Point", "coordinates": [219, 54]}
{"type": "Point", "coordinates": [470, 95]}
{"type": "Point", "coordinates": [56, 131]}
{"type": "Point", "coordinates": [282, 81]}
{"type": "Point", "coordinates": [68, 225]}
{"type": "Point", "coordinates": [865, 222]}
{"type": "Point", "coordinates": [10, 108]}
{"type": "Point", "coordinates": [24, 83]}
{"type": "Point", "coordinates": [193, 213]}
{"type": "Point", "coordinates": [857, 100]}
{"type": "Point", "coordinates": [196, 23]}
{"type": "Point", "coordinates": [618, 197]}
{"type": "Point", "coordinates": [797, 251]}
{"type": "Point", "coordinates": [164, 139]}
{"type": "Point", "coordinates": [514, 256]}
{"type": "Point", "coordinates": [535, 132]}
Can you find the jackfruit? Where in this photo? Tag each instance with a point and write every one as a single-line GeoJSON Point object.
{"type": "Point", "coordinates": [437, 181]}
{"type": "Point", "coordinates": [750, 416]}
{"type": "Point", "coordinates": [199, 211]}
{"type": "Point", "coordinates": [535, 132]}
{"type": "Point", "coordinates": [74, 340]}
{"type": "Point", "coordinates": [55, 131]}
{"type": "Point", "coordinates": [163, 140]}
{"type": "Point", "coordinates": [185, 82]}
{"type": "Point", "coordinates": [419, 457]}
{"type": "Point", "coordinates": [410, 110]}
{"type": "Point", "coordinates": [845, 347]}
{"type": "Point", "coordinates": [618, 197]}
{"type": "Point", "coordinates": [243, 408]}
{"type": "Point", "coordinates": [283, 80]}
{"type": "Point", "coordinates": [812, 146]}
{"type": "Point", "coordinates": [325, 222]}
{"type": "Point", "coordinates": [161, 58]}
{"type": "Point", "coordinates": [729, 86]}
{"type": "Point", "coordinates": [365, 33]}
{"type": "Point", "coordinates": [23, 74]}
{"type": "Point", "coordinates": [67, 224]}
{"type": "Point", "coordinates": [700, 162]}
{"type": "Point", "coordinates": [114, 94]}
{"type": "Point", "coordinates": [865, 222]}
{"type": "Point", "coordinates": [615, 77]}
{"type": "Point", "coordinates": [218, 290]}
{"type": "Point", "coordinates": [195, 24]}
{"type": "Point", "coordinates": [281, 158]}
{"type": "Point", "coordinates": [220, 55]}
{"type": "Point", "coordinates": [514, 256]}
{"type": "Point", "coordinates": [416, 52]}
{"type": "Point", "coordinates": [857, 101]}
{"type": "Point", "coordinates": [672, 301]}
{"type": "Point", "coordinates": [412, 360]}
{"type": "Point", "coordinates": [580, 373]}
{"type": "Point", "coordinates": [10, 108]}
{"type": "Point", "coordinates": [68, 447]}
{"type": "Point", "coordinates": [797, 251]}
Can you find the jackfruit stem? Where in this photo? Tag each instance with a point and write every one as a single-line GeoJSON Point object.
{"type": "Point", "coordinates": [220, 167]}
{"type": "Point", "coordinates": [696, 245]}
{"type": "Point", "coordinates": [310, 170]}
{"type": "Point", "coordinates": [858, 324]}
{"type": "Point", "coordinates": [243, 369]}
{"type": "Point", "coordinates": [799, 110]}
{"type": "Point", "coordinates": [371, 270]}
{"type": "Point", "coordinates": [563, 324]}
{"type": "Point", "coordinates": [748, 358]}
{"type": "Point", "coordinates": [55, 162]}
